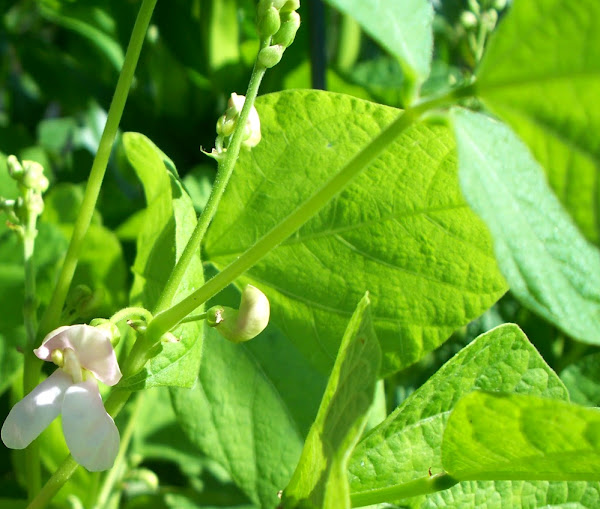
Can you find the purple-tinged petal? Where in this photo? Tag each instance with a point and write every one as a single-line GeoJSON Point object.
{"type": "Point", "coordinates": [92, 346]}
{"type": "Point", "coordinates": [90, 432]}
{"type": "Point", "coordinates": [30, 416]}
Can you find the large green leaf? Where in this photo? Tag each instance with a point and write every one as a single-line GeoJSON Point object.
{"type": "Point", "coordinates": [168, 223]}
{"type": "Point", "coordinates": [404, 28]}
{"type": "Point", "coordinates": [251, 410]}
{"type": "Point", "coordinates": [320, 479]}
{"type": "Point", "coordinates": [408, 443]}
{"type": "Point", "coordinates": [541, 73]}
{"type": "Point", "coordinates": [517, 437]}
{"type": "Point", "coordinates": [583, 380]}
{"type": "Point", "coordinates": [401, 230]}
{"type": "Point", "coordinates": [517, 495]}
{"type": "Point", "coordinates": [549, 265]}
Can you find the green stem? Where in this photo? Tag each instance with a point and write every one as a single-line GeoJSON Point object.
{"type": "Point", "coordinates": [348, 44]}
{"type": "Point", "coordinates": [116, 472]}
{"type": "Point", "coordinates": [167, 319]}
{"type": "Point", "coordinates": [194, 318]}
{"type": "Point", "coordinates": [438, 482]}
{"type": "Point", "coordinates": [55, 483]}
{"type": "Point", "coordinates": [30, 367]}
{"type": "Point", "coordinates": [52, 313]}
{"type": "Point", "coordinates": [51, 316]}
{"type": "Point", "coordinates": [226, 166]}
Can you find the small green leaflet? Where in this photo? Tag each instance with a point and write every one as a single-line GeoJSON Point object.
{"type": "Point", "coordinates": [541, 74]}
{"type": "Point", "coordinates": [517, 437]}
{"type": "Point", "coordinates": [407, 445]}
{"type": "Point", "coordinates": [168, 223]}
{"type": "Point", "coordinates": [320, 479]}
{"type": "Point", "coordinates": [548, 264]}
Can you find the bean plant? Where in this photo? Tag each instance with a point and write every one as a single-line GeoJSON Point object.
{"type": "Point", "coordinates": [377, 284]}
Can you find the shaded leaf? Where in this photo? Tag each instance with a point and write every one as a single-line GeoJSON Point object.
{"type": "Point", "coordinates": [548, 264]}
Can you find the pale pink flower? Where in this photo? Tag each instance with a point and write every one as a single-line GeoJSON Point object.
{"type": "Point", "coordinates": [84, 354]}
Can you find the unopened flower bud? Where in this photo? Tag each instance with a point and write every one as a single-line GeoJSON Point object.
{"type": "Point", "coordinates": [34, 177]}
{"type": "Point", "coordinates": [271, 56]}
{"type": "Point", "coordinates": [290, 22]}
{"type": "Point", "coordinates": [468, 19]}
{"type": "Point", "coordinates": [35, 204]}
{"type": "Point", "coordinates": [499, 4]}
{"type": "Point", "coordinates": [15, 170]}
{"type": "Point", "coordinates": [286, 5]}
{"type": "Point", "coordinates": [243, 324]}
{"type": "Point", "coordinates": [269, 23]}
{"type": "Point", "coordinates": [263, 7]}
{"type": "Point", "coordinates": [490, 18]}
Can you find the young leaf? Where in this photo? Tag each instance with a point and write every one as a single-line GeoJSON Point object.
{"type": "Point", "coordinates": [516, 495]}
{"type": "Point", "coordinates": [550, 267]}
{"type": "Point", "coordinates": [251, 409]}
{"type": "Point", "coordinates": [401, 230]}
{"type": "Point", "coordinates": [407, 445]}
{"type": "Point", "coordinates": [541, 73]}
{"type": "Point", "coordinates": [582, 379]}
{"type": "Point", "coordinates": [320, 480]}
{"type": "Point", "coordinates": [517, 437]}
{"type": "Point", "coordinates": [168, 223]}
{"type": "Point", "coordinates": [403, 28]}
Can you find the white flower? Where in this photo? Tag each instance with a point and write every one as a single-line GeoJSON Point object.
{"type": "Point", "coordinates": [84, 354]}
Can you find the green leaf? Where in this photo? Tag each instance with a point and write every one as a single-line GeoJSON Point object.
{"type": "Point", "coordinates": [582, 379]}
{"type": "Point", "coordinates": [517, 495]}
{"type": "Point", "coordinates": [516, 437]}
{"type": "Point", "coordinates": [320, 479]}
{"type": "Point", "coordinates": [401, 230]}
{"type": "Point", "coordinates": [403, 28]}
{"type": "Point", "coordinates": [168, 223]}
{"type": "Point", "coordinates": [408, 443]}
{"type": "Point", "coordinates": [251, 409]}
{"type": "Point", "coordinates": [549, 265]}
{"type": "Point", "coordinates": [541, 73]}
{"type": "Point", "coordinates": [101, 264]}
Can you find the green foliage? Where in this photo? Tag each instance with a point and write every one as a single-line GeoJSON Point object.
{"type": "Point", "coordinates": [168, 223]}
{"type": "Point", "coordinates": [401, 230]}
{"type": "Point", "coordinates": [558, 276]}
{"type": "Point", "coordinates": [540, 73]}
{"type": "Point", "coordinates": [320, 479]}
{"type": "Point", "coordinates": [582, 378]}
{"type": "Point", "coordinates": [408, 444]}
{"type": "Point", "coordinates": [494, 436]}
{"type": "Point", "coordinates": [517, 495]}
{"type": "Point", "coordinates": [402, 28]}
{"type": "Point", "coordinates": [251, 409]}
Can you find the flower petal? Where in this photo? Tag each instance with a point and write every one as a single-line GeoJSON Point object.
{"type": "Point", "coordinates": [90, 432]}
{"type": "Point", "coordinates": [92, 346]}
{"type": "Point", "coordinates": [30, 416]}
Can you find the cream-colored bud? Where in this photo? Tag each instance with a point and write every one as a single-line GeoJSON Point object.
{"type": "Point", "coordinates": [244, 324]}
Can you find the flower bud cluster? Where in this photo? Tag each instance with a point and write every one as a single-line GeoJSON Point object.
{"type": "Point", "coordinates": [279, 22]}
{"type": "Point", "coordinates": [32, 182]}
{"type": "Point", "coordinates": [227, 124]}
{"type": "Point", "coordinates": [482, 13]}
